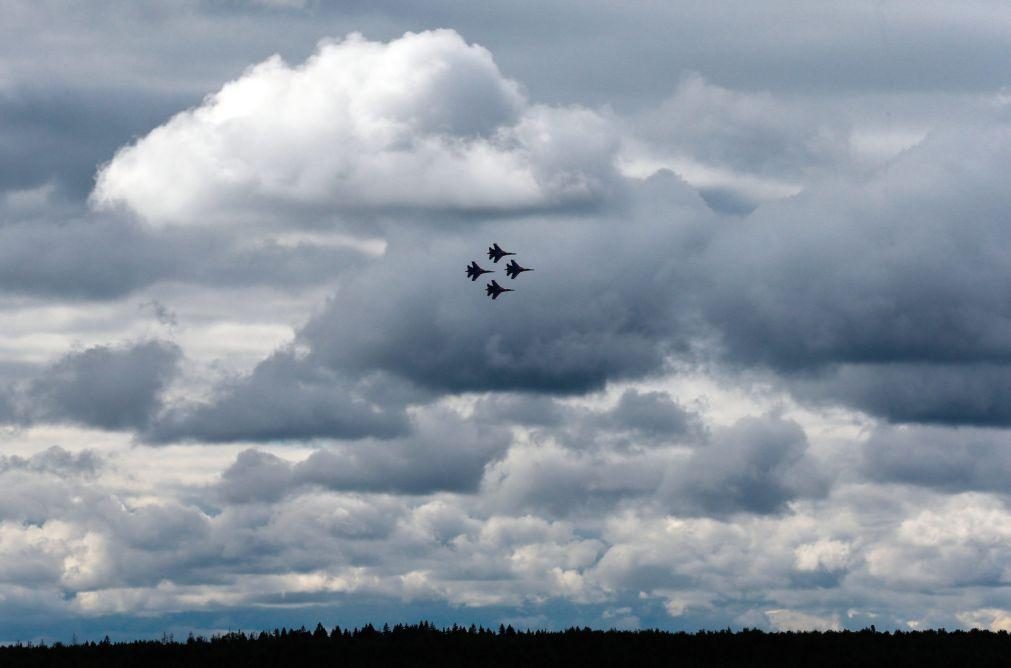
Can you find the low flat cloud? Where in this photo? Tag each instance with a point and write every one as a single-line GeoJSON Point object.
{"type": "Point", "coordinates": [951, 459]}
{"type": "Point", "coordinates": [82, 256]}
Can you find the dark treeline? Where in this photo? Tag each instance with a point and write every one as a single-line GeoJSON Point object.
{"type": "Point", "coordinates": [425, 645]}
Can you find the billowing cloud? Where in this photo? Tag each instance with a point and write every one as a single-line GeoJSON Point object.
{"type": "Point", "coordinates": [387, 339]}
{"type": "Point", "coordinates": [904, 267]}
{"type": "Point", "coordinates": [901, 315]}
{"type": "Point", "coordinates": [285, 398]}
{"type": "Point", "coordinates": [738, 148]}
{"type": "Point", "coordinates": [757, 465]}
{"type": "Point", "coordinates": [104, 387]}
{"type": "Point", "coordinates": [426, 121]}
{"type": "Point", "coordinates": [442, 453]}
{"type": "Point", "coordinates": [555, 481]}
{"type": "Point", "coordinates": [748, 132]}
{"type": "Point", "coordinates": [255, 476]}
{"type": "Point", "coordinates": [650, 415]}
{"type": "Point", "coordinates": [894, 290]}
{"type": "Point", "coordinates": [580, 322]}
{"type": "Point", "coordinates": [896, 297]}
{"type": "Point", "coordinates": [963, 542]}
{"type": "Point", "coordinates": [55, 460]}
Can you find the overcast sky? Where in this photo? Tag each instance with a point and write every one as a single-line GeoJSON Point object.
{"type": "Point", "coordinates": [760, 377]}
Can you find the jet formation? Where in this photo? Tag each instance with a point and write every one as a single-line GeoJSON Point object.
{"type": "Point", "coordinates": [513, 269]}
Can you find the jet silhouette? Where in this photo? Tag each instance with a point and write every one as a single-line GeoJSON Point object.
{"type": "Point", "coordinates": [514, 269]}
{"type": "Point", "coordinates": [493, 289]}
{"type": "Point", "coordinates": [473, 271]}
{"type": "Point", "coordinates": [495, 253]}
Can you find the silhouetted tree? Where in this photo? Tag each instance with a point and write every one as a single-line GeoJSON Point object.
{"type": "Point", "coordinates": [424, 644]}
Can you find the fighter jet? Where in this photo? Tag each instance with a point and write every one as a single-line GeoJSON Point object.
{"type": "Point", "coordinates": [514, 269]}
{"type": "Point", "coordinates": [473, 271]}
{"type": "Point", "coordinates": [493, 289]}
{"type": "Point", "coordinates": [495, 253]}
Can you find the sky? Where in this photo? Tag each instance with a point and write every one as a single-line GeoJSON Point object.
{"type": "Point", "coordinates": [760, 376]}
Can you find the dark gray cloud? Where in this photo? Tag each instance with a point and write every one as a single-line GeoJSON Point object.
{"type": "Point", "coordinates": [968, 393]}
{"type": "Point", "coordinates": [104, 258]}
{"type": "Point", "coordinates": [728, 200]}
{"type": "Point", "coordinates": [255, 476]}
{"type": "Point", "coordinates": [604, 303]}
{"type": "Point", "coordinates": [90, 260]}
{"type": "Point", "coordinates": [58, 135]}
{"type": "Point", "coordinates": [758, 465]}
{"type": "Point", "coordinates": [904, 267]}
{"type": "Point", "coordinates": [387, 338]}
{"type": "Point", "coordinates": [889, 293]}
{"type": "Point", "coordinates": [522, 409]}
{"type": "Point", "coordinates": [645, 415]}
{"type": "Point", "coordinates": [103, 387]}
{"type": "Point", "coordinates": [7, 405]}
{"type": "Point", "coordinates": [285, 398]}
{"type": "Point", "coordinates": [954, 460]}
{"type": "Point", "coordinates": [443, 453]}
{"type": "Point", "coordinates": [650, 414]}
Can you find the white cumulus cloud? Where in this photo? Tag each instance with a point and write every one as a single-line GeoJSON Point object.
{"type": "Point", "coordinates": [425, 121]}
